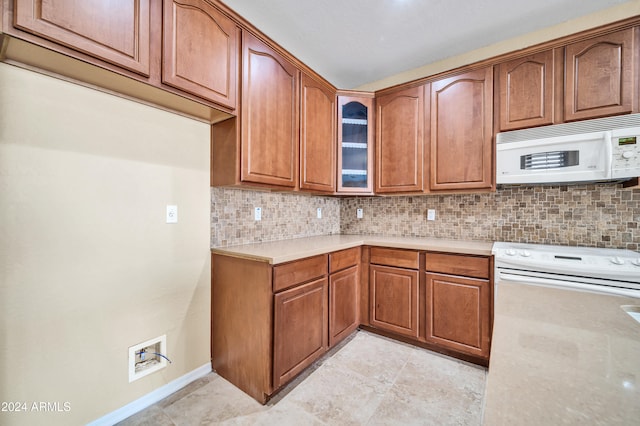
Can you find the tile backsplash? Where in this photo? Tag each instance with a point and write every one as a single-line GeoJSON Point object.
{"type": "Point", "coordinates": [284, 215]}
{"type": "Point", "coordinates": [602, 215]}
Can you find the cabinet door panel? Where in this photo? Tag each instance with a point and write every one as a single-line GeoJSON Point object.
{"type": "Point", "coordinates": [601, 76]}
{"type": "Point", "coordinates": [355, 144]}
{"type": "Point", "coordinates": [317, 136]}
{"type": "Point", "coordinates": [269, 116]}
{"type": "Point", "coordinates": [527, 91]}
{"type": "Point", "coordinates": [116, 31]}
{"type": "Point", "coordinates": [394, 299]}
{"type": "Point", "coordinates": [200, 50]}
{"type": "Point", "coordinates": [461, 132]}
{"type": "Point", "coordinates": [344, 304]}
{"type": "Point", "coordinates": [300, 329]}
{"type": "Point", "coordinates": [399, 137]}
{"type": "Point", "coordinates": [458, 313]}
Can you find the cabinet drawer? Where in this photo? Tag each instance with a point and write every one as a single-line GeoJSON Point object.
{"type": "Point", "coordinates": [456, 264]}
{"type": "Point", "coordinates": [298, 272]}
{"type": "Point", "coordinates": [394, 257]}
{"type": "Point", "coordinates": [342, 259]}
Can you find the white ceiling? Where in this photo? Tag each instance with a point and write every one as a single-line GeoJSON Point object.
{"type": "Point", "coordinates": [353, 42]}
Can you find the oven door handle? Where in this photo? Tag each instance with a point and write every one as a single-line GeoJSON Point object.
{"type": "Point", "coordinates": [569, 284]}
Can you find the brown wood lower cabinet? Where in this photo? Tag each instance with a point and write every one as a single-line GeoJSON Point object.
{"type": "Point", "coordinates": [459, 302]}
{"type": "Point", "coordinates": [394, 299]}
{"type": "Point", "coordinates": [458, 313]}
{"type": "Point", "coordinates": [270, 322]}
{"type": "Point", "coordinates": [344, 307]}
{"type": "Point", "coordinates": [300, 329]}
{"type": "Point", "coordinates": [441, 301]}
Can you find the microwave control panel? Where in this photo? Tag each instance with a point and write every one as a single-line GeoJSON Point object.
{"type": "Point", "coordinates": [625, 153]}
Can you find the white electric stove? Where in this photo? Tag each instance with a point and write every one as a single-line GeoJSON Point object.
{"type": "Point", "coordinates": [609, 271]}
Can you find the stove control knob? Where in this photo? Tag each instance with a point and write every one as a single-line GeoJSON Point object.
{"type": "Point", "coordinates": [511, 252]}
{"type": "Point", "coordinates": [617, 261]}
{"type": "Point", "coordinates": [636, 262]}
{"type": "Point", "coordinates": [525, 253]}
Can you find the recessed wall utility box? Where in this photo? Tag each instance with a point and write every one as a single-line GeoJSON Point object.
{"type": "Point", "coordinates": [144, 358]}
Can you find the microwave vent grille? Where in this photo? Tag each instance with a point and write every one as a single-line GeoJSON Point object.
{"type": "Point", "coordinates": [579, 127]}
{"type": "Point", "coordinates": [549, 160]}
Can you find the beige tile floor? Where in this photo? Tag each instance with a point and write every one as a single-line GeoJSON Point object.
{"type": "Point", "coordinates": [369, 380]}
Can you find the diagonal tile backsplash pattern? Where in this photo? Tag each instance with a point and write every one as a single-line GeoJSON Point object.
{"type": "Point", "coordinates": [595, 215]}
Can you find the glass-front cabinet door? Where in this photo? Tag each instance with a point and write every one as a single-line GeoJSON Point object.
{"type": "Point", "coordinates": [355, 144]}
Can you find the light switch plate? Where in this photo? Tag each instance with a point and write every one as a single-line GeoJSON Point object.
{"type": "Point", "coordinates": [319, 213]}
{"type": "Point", "coordinates": [172, 214]}
{"type": "Point", "coordinates": [359, 213]}
{"type": "Point", "coordinates": [258, 213]}
{"type": "Point", "coordinates": [431, 214]}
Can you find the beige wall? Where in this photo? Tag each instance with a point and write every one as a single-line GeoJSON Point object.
{"type": "Point", "coordinates": [88, 266]}
{"type": "Point", "coordinates": [613, 14]}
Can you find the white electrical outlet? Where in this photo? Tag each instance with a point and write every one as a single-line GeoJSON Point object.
{"type": "Point", "coordinates": [258, 213]}
{"type": "Point", "coordinates": [319, 213]}
{"type": "Point", "coordinates": [431, 214]}
{"type": "Point", "coordinates": [359, 213]}
{"type": "Point", "coordinates": [172, 214]}
{"type": "Point", "coordinates": [144, 357]}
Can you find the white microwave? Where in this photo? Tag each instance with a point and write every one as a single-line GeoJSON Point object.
{"type": "Point", "coordinates": [588, 151]}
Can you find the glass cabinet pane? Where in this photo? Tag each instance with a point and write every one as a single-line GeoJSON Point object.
{"type": "Point", "coordinates": [355, 158]}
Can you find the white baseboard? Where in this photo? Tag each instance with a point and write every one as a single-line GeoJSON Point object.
{"type": "Point", "coordinates": [152, 397]}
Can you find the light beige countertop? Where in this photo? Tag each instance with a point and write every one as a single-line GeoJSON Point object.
{"type": "Point", "coordinates": [287, 250]}
{"type": "Point", "coordinates": [562, 357]}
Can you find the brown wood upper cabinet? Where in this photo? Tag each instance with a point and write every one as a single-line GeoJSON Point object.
{"type": "Point", "coordinates": [259, 147]}
{"type": "Point", "coordinates": [116, 31]}
{"type": "Point", "coordinates": [587, 79]}
{"type": "Point", "coordinates": [527, 90]}
{"type": "Point", "coordinates": [269, 117]}
{"type": "Point", "coordinates": [461, 132]}
{"type": "Point", "coordinates": [602, 76]}
{"type": "Point", "coordinates": [199, 51]}
{"type": "Point", "coordinates": [317, 136]}
{"type": "Point", "coordinates": [400, 141]}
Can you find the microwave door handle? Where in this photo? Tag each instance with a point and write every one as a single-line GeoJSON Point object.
{"type": "Point", "coordinates": [608, 148]}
